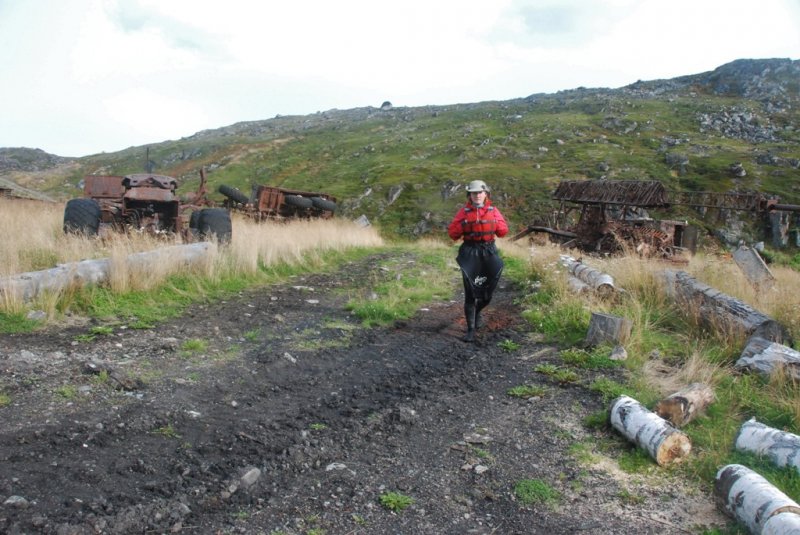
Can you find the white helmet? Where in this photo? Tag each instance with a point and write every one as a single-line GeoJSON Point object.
{"type": "Point", "coordinates": [477, 185]}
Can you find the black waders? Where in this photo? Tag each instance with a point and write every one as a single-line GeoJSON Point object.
{"type": "Point", "coordinates": [481, 267]}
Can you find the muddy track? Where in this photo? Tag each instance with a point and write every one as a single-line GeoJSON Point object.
{"type": "Point", "coordinates": [295, 420]}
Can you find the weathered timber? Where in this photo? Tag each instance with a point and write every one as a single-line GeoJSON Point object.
{"type": "Point", "coordinates": [607, 328]}
{"type": "Point", "coordinates": [656, 436]}
{"type": "Point", "coordinates": [28, 286]}
{"type": "Point", "coordinates": [684, 406]}
{"type": "Point", "coordinates": [753, 267]}
{"type": "Point", "coordinates": [766, 357]}
{"type": "Point", "coordinates": [778, 446]}
{"type": "Point", "coordinates": [718, 310]}
{"type": "Point", "coordinates": [602, 283]}
{"type": "Point", "coordinates": [747, 496]}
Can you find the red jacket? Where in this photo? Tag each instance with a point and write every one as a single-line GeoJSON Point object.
{"type": "Point", "coordinates": [478, 224]}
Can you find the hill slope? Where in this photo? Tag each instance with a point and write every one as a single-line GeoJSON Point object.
{"type": "Point", "coordinates": [730, 129]}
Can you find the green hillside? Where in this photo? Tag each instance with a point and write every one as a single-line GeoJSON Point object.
{"type": "Point", "coordinates": [404, 167]}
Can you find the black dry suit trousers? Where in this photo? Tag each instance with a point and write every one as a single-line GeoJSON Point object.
{"type": "Point", "coordinates": [481, 267]}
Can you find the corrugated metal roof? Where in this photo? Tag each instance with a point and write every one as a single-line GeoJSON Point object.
{"type": "Point", "coordinates": [644, 193]}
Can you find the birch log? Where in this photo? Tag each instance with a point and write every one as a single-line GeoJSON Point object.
{"type": "Point", "coordinates": [718, 310]}
{"type": "Point", "coordinates": [656, 436]}
{"type": "Point", "coordinates": [576, 285]}
{"type": "Point", "coordinates": [782, 524]}
{"type": "Point", "coordinates": [600, 282]}
{"type": "Point", "coordinates": [28, 286]}
{"type": "Point", "coordinates": [765, 357]}
{"type": "Point", "coordinates": [682, 407]}
{"type": "Point", "coordinates": [780, 447]}
{"type": "Point", "coordinates": [754, 501]}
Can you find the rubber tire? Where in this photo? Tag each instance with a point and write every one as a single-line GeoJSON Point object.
{"type": "Point", "coordinates": [234, 194]}
{"type": "Point", "coordinates": [298, 200]}
{"type": "Point", "coordinates": [215, 222]}
{"type": "Point", "coordinates": [194, 220]}
{"type": "Point", "coordinates": [82, 216]}
{"type": "Point", "coordinates": [323, 204]}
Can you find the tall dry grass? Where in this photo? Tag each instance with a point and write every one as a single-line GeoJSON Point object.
{"type": "Point", "coordinates": [645, 301]}
{"type": "Point", "coordinates": [34, 241]}
{"type": "Point", "coordinates": [268, 243]}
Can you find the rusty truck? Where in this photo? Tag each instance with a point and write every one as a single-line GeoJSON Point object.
{"type": "Point", "coordinates": [146, 202]}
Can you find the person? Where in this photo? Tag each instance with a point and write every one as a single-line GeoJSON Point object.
{"type": "Point", "coordinates": [478, 222]}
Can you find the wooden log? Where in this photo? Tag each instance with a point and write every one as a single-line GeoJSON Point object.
{"type": "Point", "coordinates": [607, 328]}
{"type": "Point", "coordinates": [28, 286]}
{"type": "Point", "coordinates": [753, 267]}
{"type": "Point", "coordinates": [782, 524]}
{"type": "Point", "coordinates": [656, 436]}
{"type": "Point", "coordinates": [778, 446]}
{"type": "Point", "coordinates": [747, 496]}
{"type": "Point", "coordinates": [602, 283]}
{"type": "Point", "coordinates": [766, 357]}
{"type": "Point", "coordinates": [576, 285]}
{"type": "Point", "coordinates": [718, 310]}
{"type": "Point", "coordinates": [684, 406]}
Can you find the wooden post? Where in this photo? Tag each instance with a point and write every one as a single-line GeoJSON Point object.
{"type": "Point", "coordinates": [682, 407]}
{"type": "Point", "coordinates": [717, 309]}
{"type": "Point", "coordinates": [753, 267]}
{"type": "Point", "coordinates": [780, 447]}
{"type": "Point", "coordinates": [607, 328]}
{"type": "Point", "coordinates": [649, 431]}
{"type": "Point", "coordinates": [765, 357]}
{"type": "Point", "coordinates": [754, 501]}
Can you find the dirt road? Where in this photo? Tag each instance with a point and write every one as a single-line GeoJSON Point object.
{"type": "Point", "coordinates": [274, 412]}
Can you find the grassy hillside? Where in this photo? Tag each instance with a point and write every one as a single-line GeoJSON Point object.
{"type": "Point", "coordinates": [687, 132]}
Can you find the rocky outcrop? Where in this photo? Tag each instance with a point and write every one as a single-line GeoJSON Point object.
{"type": "Point", "coordinates": [23, 159]}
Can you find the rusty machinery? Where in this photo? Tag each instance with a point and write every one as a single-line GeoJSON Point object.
{"type": "Point", "coordinates": [148, 203]}
{"type": "Point", "coordinates": [610, 215]}
{"type": "Point", "coordinates": [269, 202]}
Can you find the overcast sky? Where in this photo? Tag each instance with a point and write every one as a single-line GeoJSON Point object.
{"type": "Point", "coordinates": [81, 77]}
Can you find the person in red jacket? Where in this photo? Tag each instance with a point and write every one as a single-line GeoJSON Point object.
{"type": "Point", "coordinates": [478, 222]}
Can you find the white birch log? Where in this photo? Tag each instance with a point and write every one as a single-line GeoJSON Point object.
{"type": "Point", "coordinates": [684, 406]}
{"type": "Point", "coordinates": [28, 286]}
{"type": "Point", "coordinates": [782, 524]}
{"type": "Point", "coordinates": [718, 310]}
{"type": "Point", "coordinates": [751, 499]}
{"type": "Point", "coordinates": [607, 328]}
{"type": "Point", "coordinates": [602, 283]}
{"type": "Point", "coordinates": [576, 285]}
{"type": "Point", "coordinates": [778, 446]}
{"type": "Point", "coordinates": [765, 357]}
{"type": "Point", "coordinates": [656, 436]}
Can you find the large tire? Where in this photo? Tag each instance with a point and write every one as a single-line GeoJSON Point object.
{"type": "Point", "coordinates": [298, 200]}
{"type": "Point", "coordinates": [233, 194]}
{"type": "Point", "coordinates": [82, 216]}
{"type": "Point", "coordinates": [194, 220]}
{"type": "Point", "coordinates": [323, 204]}
{"type": "Point", "coordinates": [215, 222]}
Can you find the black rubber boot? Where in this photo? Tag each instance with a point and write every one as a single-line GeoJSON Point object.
{"type": "Point", "coordinates": [469, 314]}
{"type": "Point", "coordinates": [480, 305]}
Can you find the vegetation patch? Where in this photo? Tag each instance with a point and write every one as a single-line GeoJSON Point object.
{"type": "Point", "coordinates": [526, 391]}
{"type": "Point", "coordinates": [395, 501]}
{"type": "Point", "coordinates": [535, 491]}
